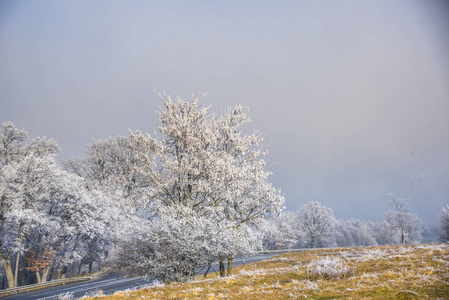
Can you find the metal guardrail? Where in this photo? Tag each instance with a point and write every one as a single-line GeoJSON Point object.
{"type": "Point", "coordinates": [36, 286]}
{"type": "Point", "coordinates": [284, 250]}
{"type": "Point", "coordinates": [306, 249]}
{"type": "Point", "coordinates": [279, 251]}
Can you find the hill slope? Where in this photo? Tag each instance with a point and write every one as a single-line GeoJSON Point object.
{"type": "Point", "coordinates": [389, 272]}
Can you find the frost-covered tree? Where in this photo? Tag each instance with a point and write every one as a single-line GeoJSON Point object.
{"type": "Point", "coordinates": [83, 218]}
{"type": "Point", "coordinates": [26, 190]}
{"type": "Point", "coordinates": [353, 232]}
{"type": "Point", "coordinates": [52, 210]}
{"type": "Point", "coordinates": [383, 234]}
{"type": "Point", "coordinates": [281, 232]}
{"type": "Point", "coordinates": [198, 167]}
{"type": "Point", "coordinates": [15, 147]}
{"type": "Point", "coordinates": [399, 226]}
{"type": "Point", "coordinates": [396, 218]}
{"type": "Point", "coordinates": [318, 224]}
{"type": "Point", "coordinates": [206, 165]}
{"type": "Point", "coordinates": [109, 166]}
{"type": "Point", "coordinates": [444, 225]}
{"type": "Point", "coordinates": [44, 209]}
{"type": "Point", "coordinates": [250, 197]}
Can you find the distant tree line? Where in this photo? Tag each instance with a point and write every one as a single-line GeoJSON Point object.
{"type": "Point", "coordinates": [314, 225]}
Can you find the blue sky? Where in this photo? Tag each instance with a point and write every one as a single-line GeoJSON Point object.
{"type": "Point", "coordinates": [352, 96]}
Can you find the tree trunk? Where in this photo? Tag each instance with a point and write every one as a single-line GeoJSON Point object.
{"type": "Point", "coordinates": [230, 259]}
{"type": "Point", "coordinates": [222, 268]}
{"type": "Point", "coordinates": [38, 276]}
{"type": "Point", "coordinates": [45, 274]}
{"type": "Point", "coordinates": [207, 271]}
{"type": "Point", "coordinates": [51, 273]}
{"type": "Point", "coordinates": [79, 269]}
{"type": "Point", "coordinates": [90, 267]}
{"type": "Point", "coordinates": [61, 274]}
{"type": "Point", "coordinates": [9, 273]}
{"type": "Point", "coordinates": [114, 266]}
{"type": "Point", "coordinates": [16, 271]}
{"type": "Point", "coordinates": [24, 277]}
{"type": "Point", "coordinates": [5, 260]}
{"type": "Point", "coordinates": [2, 210]}
{"type": "Point", "coordinates": [313, 242]}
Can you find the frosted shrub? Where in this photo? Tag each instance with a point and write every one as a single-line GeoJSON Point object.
{"type": "Point", "coordinates": [318, 224]}
{"type": "Point", "coordinates": [92, 293]}
{"type": "Point", "coordinates": [329, 267]}
{"type": "Point", "coordinates": [66, 296]}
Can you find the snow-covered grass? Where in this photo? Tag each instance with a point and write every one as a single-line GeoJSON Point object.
{"type": "Point", "coordinates": [389, 272]}
{"type": "Point", "coordinates": [329, 267]}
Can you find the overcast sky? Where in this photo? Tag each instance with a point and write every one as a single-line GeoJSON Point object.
{"type": "Point", "coordinates": [352, 96]}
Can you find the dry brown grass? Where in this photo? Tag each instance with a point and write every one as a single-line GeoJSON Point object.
{"type": "Point", "coordinates": [389, 272]}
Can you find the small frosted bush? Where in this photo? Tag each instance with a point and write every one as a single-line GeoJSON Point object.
{"type": "Point", "coordinates": [329, 267]}
{"type": "Point", "coordinates": [93, 293]}
{"type": "Point", "coordinates": [66, 296]}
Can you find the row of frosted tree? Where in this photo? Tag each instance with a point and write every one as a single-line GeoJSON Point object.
{"type": "Point", "coordinates": [314, 225]}
{"type": "Point", "coordinates": [165, 205]}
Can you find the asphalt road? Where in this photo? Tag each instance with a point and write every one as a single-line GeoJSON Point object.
{"type": "Point", "coordinates": [111, 285]}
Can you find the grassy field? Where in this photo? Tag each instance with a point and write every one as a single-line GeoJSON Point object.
{"type": "Point", "coordinates": [389, 272]}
